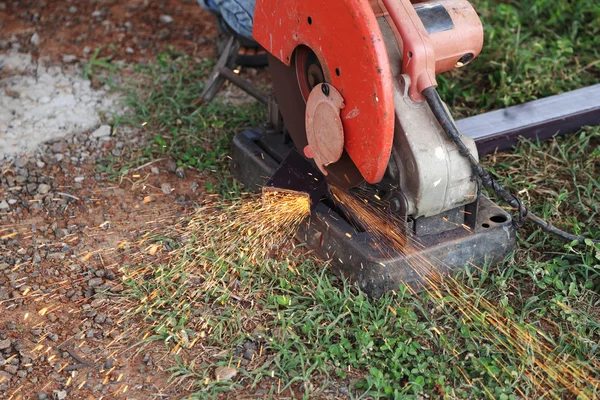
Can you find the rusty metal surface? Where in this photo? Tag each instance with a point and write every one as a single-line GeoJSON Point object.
{"type": "Point", "coordinates": [346, 38]}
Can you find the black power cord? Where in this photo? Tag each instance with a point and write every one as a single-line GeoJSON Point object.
{"type": "Point", "coordinates": [443, 117]}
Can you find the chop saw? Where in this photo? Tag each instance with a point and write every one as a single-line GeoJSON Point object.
{"type": "Point", "coordinates": [355, 104]}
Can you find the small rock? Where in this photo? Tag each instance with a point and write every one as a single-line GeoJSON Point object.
{"type": "Point", "coordinates": [43, 188]}
{"type": "Point", "coordinates": [165, 19]}
{"type": "Point", "coordinates": [164, 34]}
{"type": "Point", "coordinates": [35, 39]}
{"type": "Point", "coordinates": [225, 373]}
{"type": "Point", "coordinates": [100, 319]}
{"type": "Point", "coordinates": [31, 188]}
{"type": "Point", "coordinates": [3, 294]}
{"type": "Point", "coordinates": [129, 50]}
{"type": "Point", "coordinates": [103, 131]}
{"type": "Point", "coordinates": [171, 165]}
{"type": "Point", "coordinates": [166, 188]}
{"type": "Point", "coordinates": [4, 205]}
{"type": "Point", "coordinates": [69, 58]}
{"type": "Point", "coordinates": [56, 256]}
{"type": "Point", "coordinates": [154, 170]}
{"type": "Point", "coordinates": [59, 147]}
{"type": "Point", "coordinates": [79, 179]}
{"type": "Point", "coordinates": [4, 344]}
{"type": "Point", "coordinates": [11, 369]}
{"type": "Point", "coordinates": [180, 172]}
{"type": "Point", "coordinates": [60, 394]}
{"type": "Point", "coordinates": [40, 164]}
{"type": "Point", "coordinates": [42, 396]}
{"type": "Point", "coordinates": [4, 377]}
{"type": "Point", "coordinates": [20, 162]}
{"type": "Point", "coordinates": [95, 282]}
{"type": "Point", "coordinates": [73, 9]}
{"type": "Point", "coordinates": [12, 201]}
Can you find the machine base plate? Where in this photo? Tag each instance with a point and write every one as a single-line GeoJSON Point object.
{"type": "Point", "coordinates": [256, 155]}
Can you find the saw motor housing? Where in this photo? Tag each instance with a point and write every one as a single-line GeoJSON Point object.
{"type": "Point", "coordinates": [361, 66]}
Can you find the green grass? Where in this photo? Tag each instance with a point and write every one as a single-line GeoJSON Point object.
{"type": "Point", "coordinates": [320, 336]}
{"type": "Point", "coordinates": [162, 97]}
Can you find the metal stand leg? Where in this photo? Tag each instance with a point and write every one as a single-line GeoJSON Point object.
{"type": "Point", "coordinates": [223, 71]}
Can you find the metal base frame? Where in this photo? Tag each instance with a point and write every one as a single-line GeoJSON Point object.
{"type": "Point", "coordinates": [257, 153]}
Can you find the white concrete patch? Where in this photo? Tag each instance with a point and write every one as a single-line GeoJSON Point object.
{"type": "Point", "coordinates": [40, 103]}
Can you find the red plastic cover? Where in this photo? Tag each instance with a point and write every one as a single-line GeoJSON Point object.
{"type": "Point", "coordinates": [345, 36]}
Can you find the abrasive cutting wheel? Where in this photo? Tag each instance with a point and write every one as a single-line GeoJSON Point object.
{"type": "Point", "coordinates": [292, 86]}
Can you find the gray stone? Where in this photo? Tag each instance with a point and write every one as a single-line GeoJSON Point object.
{"type": "Point", "coordinates": [35, 39]}
{"type": "Point", "coordinates": [95, 282]}
{"type": "Point", "coordinates": [165, 19]}
{"type": "Point", "coordinates": [69, 58]}
{"type": "Point", "coordinates": [60, 394]}
{"type": "Point", "coordinates": [102, 131]}
{"type": "Point", "coordinates": [164, 34]}
{"type": "Point", "coordinates": [225, 373]}
{"type": "Point", "coordinates": [4, 344]}
{"type": "Point", "coordinates": [166, 188]}
{"type": "Point", "coordinates": [4, 205]}
{"type": "Point", "coordinates": [43, 188]}
{"type": "Point", "coordinates": [11, 369]}
{"type": "Point", "coordinates": [20, 162]}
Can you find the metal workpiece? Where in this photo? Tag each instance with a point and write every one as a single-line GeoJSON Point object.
{"type": "Point", "coordinates": [486, 233]}
{"type": "Point", "coordinates": [536, 120]}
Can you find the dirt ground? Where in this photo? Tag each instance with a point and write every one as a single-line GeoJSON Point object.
{"type": "Point", "coordinates": [131, 30]}
{"type": "Point", "coordinates": [66, 229]}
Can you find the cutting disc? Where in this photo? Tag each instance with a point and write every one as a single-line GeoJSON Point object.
{"type": "Point", "coordinates": [292, 105]}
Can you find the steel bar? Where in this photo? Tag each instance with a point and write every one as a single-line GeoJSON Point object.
{"type": "Point", "coordinates": [244, 85]}
{"type": "Point", "coordinates": [538, 119]}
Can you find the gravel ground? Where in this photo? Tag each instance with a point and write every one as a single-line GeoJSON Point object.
{"type": "Point", "coordinates": [60, 223]}
{"type": "Point", "coordinates": [63, 223]}
{"type": "Point", "coordinates": [42, 103]}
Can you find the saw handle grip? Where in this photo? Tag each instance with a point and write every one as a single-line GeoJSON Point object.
{"type": "Point", "coordinates": [434, 36]}
{"type": "Point", "coordinates": [418, 55]}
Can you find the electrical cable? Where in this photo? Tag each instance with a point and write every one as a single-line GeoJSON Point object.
{"type": "Point", "coordinates": [447, 123]}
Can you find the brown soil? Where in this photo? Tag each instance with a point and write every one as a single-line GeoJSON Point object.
{"type": "Point", "coordinates": [107, 214]}
{"type": "Point", "coordinates": [117, 25]}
